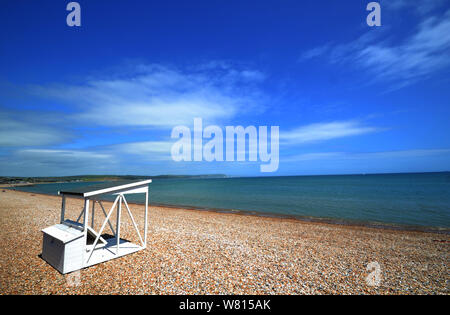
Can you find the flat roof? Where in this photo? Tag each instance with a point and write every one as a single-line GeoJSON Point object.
{"type": "Point", "coordinates": [63, 232]}
{"type": "Point", "coordinates": [106, 188]}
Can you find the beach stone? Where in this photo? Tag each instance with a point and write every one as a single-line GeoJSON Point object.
{"type": "Point", "coordinates": [201, 252]}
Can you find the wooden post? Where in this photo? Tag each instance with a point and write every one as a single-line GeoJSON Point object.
{"type": "Point", "coordinates": [86, 214]}
{"type": "Point", "coordinates": [146, 218]}
{"type": "Point", "coordinates": [63, 208]}
{"type": "Point", "coordinates": [93, 213]}
{"type": "Point", "coordinates": [85, 224]}
{"type": "Point", "coordinates": [119, 210]}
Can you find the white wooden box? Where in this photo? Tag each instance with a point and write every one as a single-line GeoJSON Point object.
{"type": "Point", "coordinates": [63, 247]}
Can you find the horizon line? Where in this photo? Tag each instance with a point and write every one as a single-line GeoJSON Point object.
{"type": "Point", "coordinates": [226, 175]}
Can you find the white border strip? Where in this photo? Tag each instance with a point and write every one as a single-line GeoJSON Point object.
{"type": "Point", "coordinates": [115, 188]}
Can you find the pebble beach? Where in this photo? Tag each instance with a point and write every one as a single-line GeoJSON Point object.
{"type": "Point", "coordinates": [202, 252]}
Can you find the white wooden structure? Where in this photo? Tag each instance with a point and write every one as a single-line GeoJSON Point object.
{"type": "Point", "coordinates": [71, 245]}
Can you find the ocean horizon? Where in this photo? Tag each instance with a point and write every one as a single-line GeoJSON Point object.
{"type": "Point", "coordinates": [403, 199]}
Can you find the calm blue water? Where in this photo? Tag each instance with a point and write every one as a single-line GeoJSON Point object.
{"type": "Point", "coordinates": [404, 199]}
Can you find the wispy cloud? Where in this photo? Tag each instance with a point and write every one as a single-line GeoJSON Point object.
{"type": "Point", "coordinates": [367, 155]}
{"type": "Point", "coordinates": [54, 162]}
{"type": "Point", "coordinates": [27, 130]}
{"type": "Point", "coordinates": [425, 52]}
{"type": "Point", "coordinates": [146, 150]}
{"type": "Point", "coordinates": [159, 96]}
{"type": "Point", "coordinates": [313, 156]}
{"type": "Point", "coordinates": [420, 7]}
{"type": "Point", "coordinates": [315, 52]}
{"type": "Point", "coordinates": [403, 62]}
{"type": "Point", "coordinates": [134, 103]}
{"type": "Point", "coordinates": [325, 131]}
{"type": "Point", "coordinates": [74, 155]}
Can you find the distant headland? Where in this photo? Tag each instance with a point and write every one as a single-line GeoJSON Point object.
{"type": "Point", "coordinates": [94, 178]}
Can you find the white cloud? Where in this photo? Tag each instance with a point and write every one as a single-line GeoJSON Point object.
{"type": "Point", "coordinates": [314, 52]}
{"type": "Point", "coordinates": [325, 131]}
{"type": "Point", "coordinates": [313, 156]}
{"type": "Point", "coordinates": [145, 147]}
{"type": "Point", "coordinates": [137, 157]}
{"type": "Point", "coordinates": [421, 7]}
{"type": "Point", "coordinates": [147, 150]}
{"type": "Point", "coordinates": [426, 51]}
{"type": "Point", "coordinates": [415, 57]}
{"type": "Point", "coordinates": [74, 156]}
{"type": "Point", "coordinates": [54, 162]}
{"type": "Point", "coordinates": [163, 97]}
{"type": "Point", "coordinates": [159, 113]}
{"type": "Point", "coordinates": [367, 155]}
{"type": "Point", "coordinates": [16, 132]}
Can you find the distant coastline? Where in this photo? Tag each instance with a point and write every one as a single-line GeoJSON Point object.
{"type": "Point", "coordinates": [26, 181]}
{"type": "Point", "coordinates": [30, 180]}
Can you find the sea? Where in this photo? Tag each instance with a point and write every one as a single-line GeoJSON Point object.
{"type": "Point", "coordinates": [411, 201]}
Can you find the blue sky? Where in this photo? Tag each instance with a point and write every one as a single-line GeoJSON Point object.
{"type": "Point", "coordinates": [104, 97]}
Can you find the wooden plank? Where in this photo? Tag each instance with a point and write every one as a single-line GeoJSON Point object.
{"type": "Point", "coordinates": [63, 232]}
{"type": "Point", "coordinates": [103, 254]}
{"type": "Point", "coordinates": [105, 188]}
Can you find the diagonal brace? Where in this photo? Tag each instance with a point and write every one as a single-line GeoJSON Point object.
{"type": "Point", "coordinates": [103, 227]}
{"type": "Point", "coordinates": [109, 222]}
{"type": "Point", "coordinates": [132, 219]}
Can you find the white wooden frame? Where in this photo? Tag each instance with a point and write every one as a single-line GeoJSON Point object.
{"type": "Point", "coordinates": [97, 253]}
